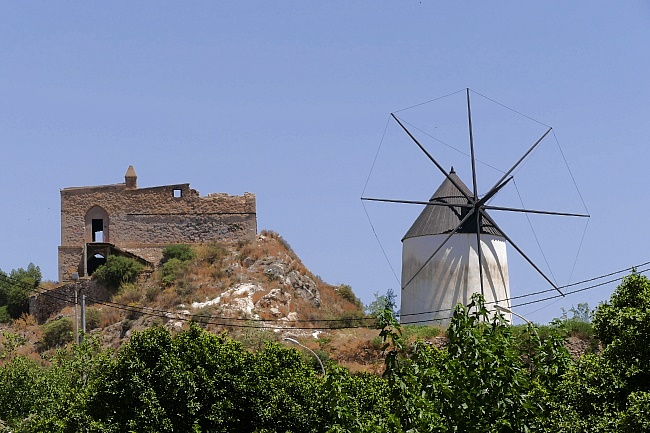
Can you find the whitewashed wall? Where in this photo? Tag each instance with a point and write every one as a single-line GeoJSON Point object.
{"type": "Point", "coordinates": [452, 276]}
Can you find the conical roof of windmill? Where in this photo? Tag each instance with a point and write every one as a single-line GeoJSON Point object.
{"type": "Point", "coordinates": [436, 220]}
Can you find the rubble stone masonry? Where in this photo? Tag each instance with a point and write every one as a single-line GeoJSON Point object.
{"type": "Point", "coordinates": [143, 221]}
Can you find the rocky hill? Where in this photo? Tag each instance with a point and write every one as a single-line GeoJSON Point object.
{"type": "Point", "coordinates": [256, 291]}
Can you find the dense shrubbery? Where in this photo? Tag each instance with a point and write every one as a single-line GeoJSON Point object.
{"type": "Point", "coordinates": [15, 290]}
{"type": "Point", "coordinates": [118, 270]}
{"type": "Point", "coordinates": [611, 391]}
{"type": "Point", "coordinates": [171, 271]}
{"type": "Point", "coordinates": [56, 333]}
{"type": "Point", "coordinates": [486, 379]}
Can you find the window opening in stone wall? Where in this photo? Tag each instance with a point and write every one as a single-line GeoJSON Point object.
{"type": "Point", "coordinates": [94, 262]}
{"type": "Point", "coordinates": [178, 193]}
{"type": "Point", "coordinates": [98, 230]}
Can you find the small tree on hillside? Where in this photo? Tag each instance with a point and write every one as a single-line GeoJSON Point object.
{"type": "Point", "coordinates": [118, 270]}
{"type": "Point", "coordinates": [17, 287]}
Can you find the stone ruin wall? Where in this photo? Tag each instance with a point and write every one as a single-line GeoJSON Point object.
{"type": "Point", "coordinates": [45, 304]}
{"type": "Point", "coordinates": [145, 220]}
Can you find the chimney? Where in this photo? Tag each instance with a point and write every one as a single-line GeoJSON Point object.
{"type": "Point", "coordinates": [130, 178]}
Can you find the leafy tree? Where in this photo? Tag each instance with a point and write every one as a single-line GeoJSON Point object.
{"type": "Point", "coordinates": [118, 270]}
{"type": "Point", "coordinates": [610, 391]}
{"type": "Point", "coordinates": [16, 288]}
{"type": "Point", "coordinates": [482, 381]}
{"type": "Point", "coordinates": [382, 303]}
{"type": "Point", "coordinates": [5, 285]}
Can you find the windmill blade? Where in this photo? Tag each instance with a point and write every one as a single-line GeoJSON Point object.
{"type": "Point", "coordinates": [493, 192]}
{"type": "Point", "coordinates": [540, 212]}
{"type": "Point", "coordinates": [479, 250]}
{"type": "Point", "coordinates": [415, 140]}
{"type": "Point", "coordinates": [471, 148]}
{"type": "Point", "coordinates": [427, 203]}
{"type": "Point", "coordinates": [522, 158]}
{"type": "Point", "coordinates": [453, 232]}
{"type": "Point", "coordinates": [510, 241]}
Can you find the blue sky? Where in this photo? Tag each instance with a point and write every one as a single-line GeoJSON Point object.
{"type": "Point", "coordinates": [290, 100]}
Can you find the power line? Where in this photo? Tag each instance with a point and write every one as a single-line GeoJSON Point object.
{"type": "Point", "coordinates": [345, 322]}
{"type": "Point", "coordinates": [202, 318]}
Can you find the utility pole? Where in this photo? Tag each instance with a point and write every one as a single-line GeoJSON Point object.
{"type": "Point", "coordinates": [83, 317]}
{"type": "Point", "coordinates": [75, 277]}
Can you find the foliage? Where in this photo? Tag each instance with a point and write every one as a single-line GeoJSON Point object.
{"type": "Point", "coordinates": [578, 325]}
{"type": "Point", "coordinates": [420, 332]}
{"type": "Point", "coordinates": [9, 343]}
{"type": "Point", "coordinates": [609, 392]}
{"type": "Point", "coordinates": [488, 378]}
{"type": "Point", "coordinates": [93, 318]}
{"type": "Point", "coordinates": [16, 288]}
{"type": "Point", "coordinates": [386, 302]}
{"type": "Point", "coordinates": [182, 252]}
{"type": "Point", "coordinates": [4, 287]}
{"type": "Point", "coordinates": [57, 333]}
{"type": "Point", "coordinates": [171, 271]}
{"type": "Point", "coordinates": [4, 314]}
{"type": "Point", "coordinates": [346, 293]}
{"type": "Point", "coordinates": [118, 270]}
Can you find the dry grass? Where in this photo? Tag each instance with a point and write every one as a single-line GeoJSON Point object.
{"type": "Point", "coordinates": [215, 269]}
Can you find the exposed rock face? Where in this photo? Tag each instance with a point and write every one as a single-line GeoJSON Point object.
{"type": "Point", "coordinates": [238, 299]}
{"type": "Point", "coordinates": [305, 287]}
{"type": "Point", "coordinates": [274, 299]}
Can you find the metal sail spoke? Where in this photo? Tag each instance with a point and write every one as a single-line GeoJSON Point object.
{"type": "Point", "coordinates": [453, 232]}
{"type": "Point", "coordinates": [479, 250]}
{"type": "Point", "coordinates": [471, 146]}
{"type": "Point", "coordinates": [541, 212]}
{"type": "Point", "coordinates": [493, 192]}
{"type": "Point", "coordinates": [521, 159]}
{"type": "Point", "coordinates": [511, 242]}
{"type": "Point", "coordinates": [432, 158]}
{"type": "Point", "coordinates": [427, 203]}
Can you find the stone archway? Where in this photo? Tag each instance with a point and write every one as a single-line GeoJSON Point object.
{"type": "Point", "coordinates": [96, 225]}
{"type": "Point", "coordinates": [95, 261]}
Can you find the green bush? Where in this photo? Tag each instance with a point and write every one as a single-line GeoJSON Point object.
{"type": "Point", "coordinates": [118, 270]}
{"type": "Point", "coordinates": [56, 333]}
{"type": "Point", "coordinates": [420, 332]}
{"type": "Point", "coordinates": [346, 293]}
{"type": "Point", "coordinates": [17, 301]}
{"type": "Point", "coordinates": [172, 270]}
{"type": "Point", "coordinates": [180, 252]}
{"type": "Point", "coordinates": [4, 315]}
{"type": "Point", "coordinates": [93, 318]}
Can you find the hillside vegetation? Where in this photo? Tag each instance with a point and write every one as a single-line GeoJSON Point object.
{"type": "Point", "coordinates": [199, 345]}
{"type": "Point", "coordinates": [485, 379]}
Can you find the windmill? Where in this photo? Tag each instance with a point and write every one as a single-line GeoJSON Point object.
{"type": "Point", "coordinates": [468, 246]}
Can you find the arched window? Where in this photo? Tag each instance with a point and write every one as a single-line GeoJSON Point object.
{"type": "Point", "coordinates": [96, 224]}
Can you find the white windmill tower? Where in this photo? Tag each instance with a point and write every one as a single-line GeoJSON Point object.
{"type": "Point", "coordinates": [454, 248]}
{"type": "Point", "coordinates": [451, 275]}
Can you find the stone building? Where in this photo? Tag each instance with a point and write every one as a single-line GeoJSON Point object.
{"type": "Point", "coordinates": [97, 221]}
